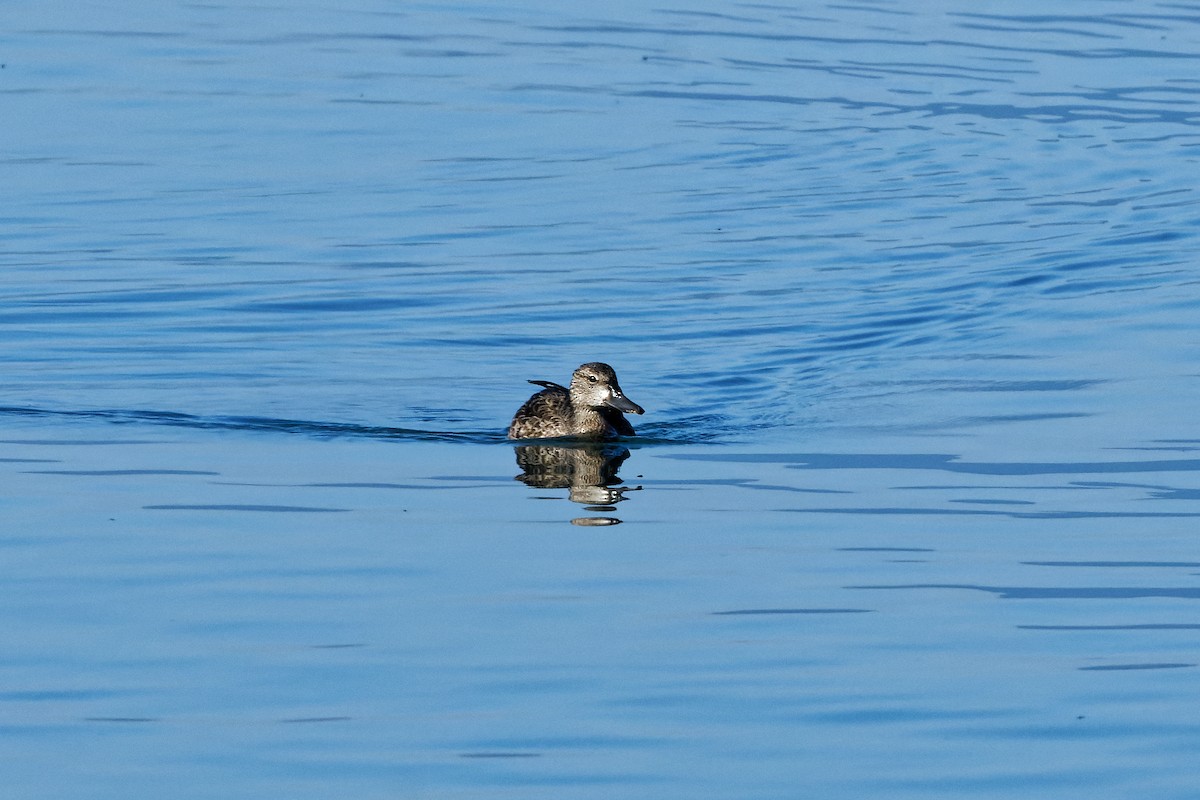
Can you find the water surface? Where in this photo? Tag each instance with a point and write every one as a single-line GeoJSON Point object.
{"type": "Point", "coordinates": [909, 296]}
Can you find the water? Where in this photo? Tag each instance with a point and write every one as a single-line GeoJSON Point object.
{"type": "Point", "coordinates": [909, 296]}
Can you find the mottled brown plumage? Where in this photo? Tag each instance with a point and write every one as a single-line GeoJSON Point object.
{"type": "Point", "coordinates": [590, 408]}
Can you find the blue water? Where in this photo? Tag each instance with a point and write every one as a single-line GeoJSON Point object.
{"type": "Point", "coordinates": [909, 293]}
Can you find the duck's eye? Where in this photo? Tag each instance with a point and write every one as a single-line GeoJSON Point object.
{"type": "Point", "coordinates": [591, 378]}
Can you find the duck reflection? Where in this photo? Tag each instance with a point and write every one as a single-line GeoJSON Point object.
{"type": "Point", "coordinates": [588, 470]}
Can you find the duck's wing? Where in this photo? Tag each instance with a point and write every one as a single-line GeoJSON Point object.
{"type": "Point", "coordinates": [549, 385]}
{"type": "Point", "coordinates": [545, 415]}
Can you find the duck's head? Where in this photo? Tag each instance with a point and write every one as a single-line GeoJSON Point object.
{"type": "Point", "coordinates": [595, 385]}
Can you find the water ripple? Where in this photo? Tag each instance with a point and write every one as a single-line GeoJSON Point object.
{"type": "Point", "coordinates": [790, 220]}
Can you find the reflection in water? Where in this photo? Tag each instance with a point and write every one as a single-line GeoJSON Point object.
{"type": "Point", "coordinates": [588, 470]}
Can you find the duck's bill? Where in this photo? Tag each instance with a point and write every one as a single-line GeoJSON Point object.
{"type": "Point", "coordinates": [621, 403]}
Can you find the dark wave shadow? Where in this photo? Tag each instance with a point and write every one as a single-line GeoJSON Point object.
{"type": "Point", "coordinates": [263, 424]}
{"type": "Point", "coordinates": [945, 462]}
{"type": "Point", "coordinates": [1056, 592]}
{"type": "Point", "coordinates": [688, 430]}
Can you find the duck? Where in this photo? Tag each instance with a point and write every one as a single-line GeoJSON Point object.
{"type": "Point", "coordinates": [592, 407]}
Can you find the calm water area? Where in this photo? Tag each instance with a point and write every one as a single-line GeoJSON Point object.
{"type": "Point", "coordinates": [910, 293]}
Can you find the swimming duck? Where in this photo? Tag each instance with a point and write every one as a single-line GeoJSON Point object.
{"type": "Point", "coordinates": [591, 408]}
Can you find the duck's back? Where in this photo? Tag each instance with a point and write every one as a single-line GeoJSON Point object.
{"type": "Point", "coordinates": [545, 415]}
